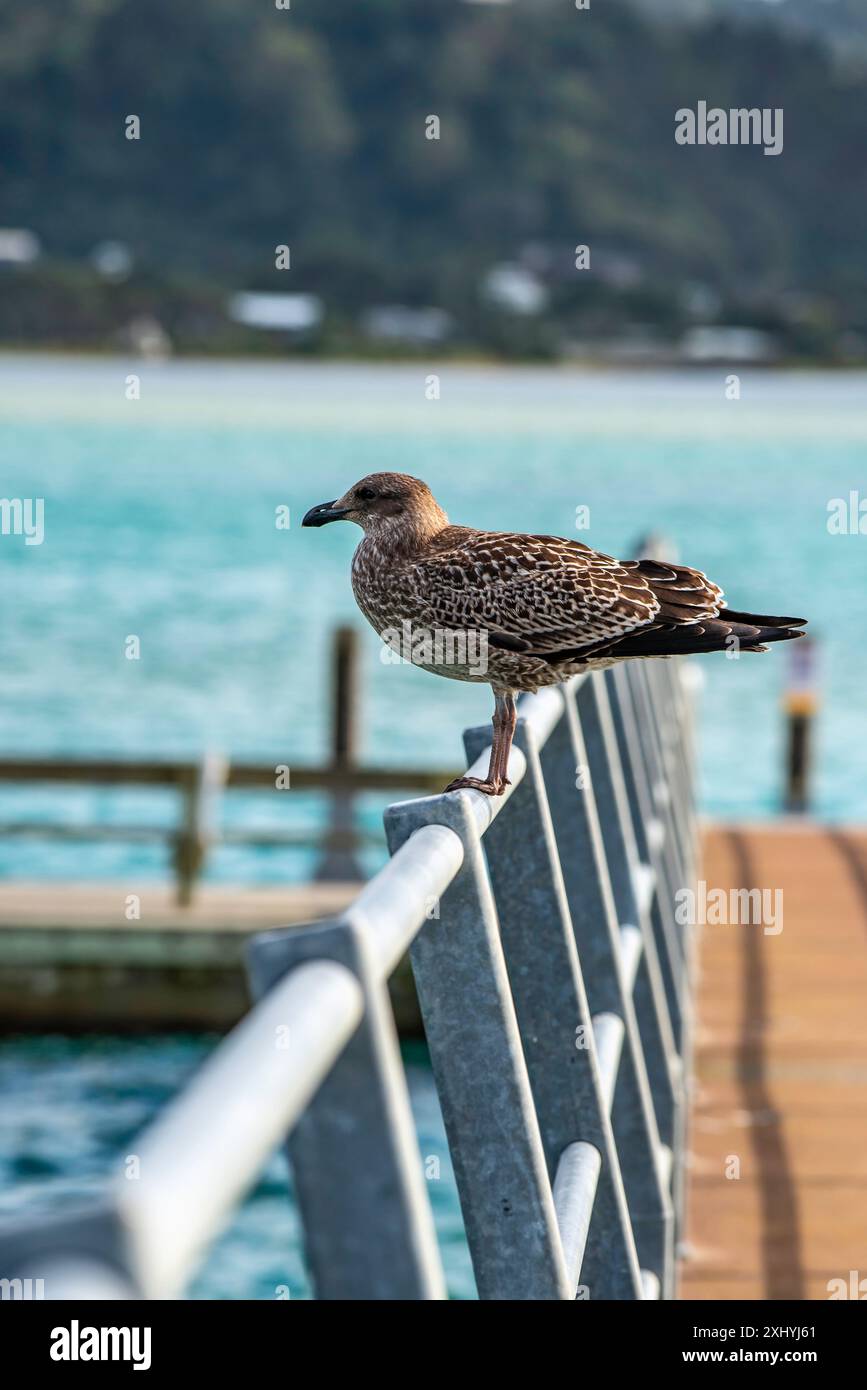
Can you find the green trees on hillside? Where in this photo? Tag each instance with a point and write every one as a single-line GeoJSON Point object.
{"type": "Point", "coordinates": [307, 126]}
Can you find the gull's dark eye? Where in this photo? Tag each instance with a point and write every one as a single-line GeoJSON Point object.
{"type": "Point", "coordinates": [365, 494]}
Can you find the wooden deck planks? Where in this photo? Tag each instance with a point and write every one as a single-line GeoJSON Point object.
{"type": "Point", "coordinates": [781, 1073]}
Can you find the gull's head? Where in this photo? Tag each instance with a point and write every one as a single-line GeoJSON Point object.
{"type": "Point", "coordinates": [384, 503]}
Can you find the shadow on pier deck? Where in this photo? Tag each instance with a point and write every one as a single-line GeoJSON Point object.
{"type": "Point", "coordinates": [781, 1074]}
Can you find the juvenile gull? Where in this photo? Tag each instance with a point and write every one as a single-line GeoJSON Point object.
{"type": "Point", "coordinates": [546, 607]}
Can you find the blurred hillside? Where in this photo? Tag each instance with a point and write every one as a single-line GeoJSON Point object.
{"type": "Point", "coordinates": [843, 23]}
{"type": "Point", "coordinates": [306, 127]}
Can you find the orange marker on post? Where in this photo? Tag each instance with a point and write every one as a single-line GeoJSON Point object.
{"type": "Point", "coordinates": [801, 702]}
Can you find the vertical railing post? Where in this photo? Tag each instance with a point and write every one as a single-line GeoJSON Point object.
{"type": "Point", "coordinates": [553, 1014]}
{"type": "Point", "coordinates": [651, 1007]}
{"type": "Point", "coordinates": [367, 1220]}
{"type": "Point", "coordinates": [667, 806]}
{"type": "Point", "coordinates": [591, 903]}
{"type": "Point", "coordinates": [650, 833]}
{"type": "Point", "coordinates": [673, 705]}
{"type": "Point", "coordinates": [676, 853]}
{"type": "Point", "coordinates": [662, 699]}
{"type": "Point", "coordinates": [667, 692]}
{"type": "Point", "coordinates": [83, 1253]}
{"type": "Point", "coordinates": [480, 1072]}
{"type": "Point", "coordinates": [670, 724]}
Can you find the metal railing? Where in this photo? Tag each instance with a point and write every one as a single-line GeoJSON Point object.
{"type": "Point", "coordinates": [554, 983]}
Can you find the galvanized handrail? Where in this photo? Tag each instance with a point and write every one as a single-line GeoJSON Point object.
{"type": "Point", "coordinates": [554, 983]}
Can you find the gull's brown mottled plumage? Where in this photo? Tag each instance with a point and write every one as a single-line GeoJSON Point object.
{"type": "Point", "coordinates": [549, 607]}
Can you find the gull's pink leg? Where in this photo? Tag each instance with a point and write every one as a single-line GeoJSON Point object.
{"type": "Point", "coordinates": [504, 721]}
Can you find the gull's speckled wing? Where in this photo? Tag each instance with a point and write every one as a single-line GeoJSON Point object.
{"type": "Point", "coordinates": [540, 595]}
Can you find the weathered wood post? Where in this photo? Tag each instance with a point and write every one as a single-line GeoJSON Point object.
{"type": "Point", "coordinates": [339, 862]}
{"type": "Point", "coordinates": [801, 703]}
{"type": "Point", "coordinates": [202, 786]}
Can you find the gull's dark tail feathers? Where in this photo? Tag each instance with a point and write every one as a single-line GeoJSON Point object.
{"type": "Point", "coordinates": [747, 632]}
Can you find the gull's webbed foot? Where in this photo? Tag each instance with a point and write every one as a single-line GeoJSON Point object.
{"type": "Point", "coordinates": [490, 787]}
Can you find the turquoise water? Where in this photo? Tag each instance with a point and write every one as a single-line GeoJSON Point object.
{"type": "Point", "coordinates": [70, 1113]}
{"type": "Point", "coordinates": [160, 524]}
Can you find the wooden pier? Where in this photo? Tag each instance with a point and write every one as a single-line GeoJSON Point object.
{"type": "Point", "coordinates": [778, 1190]}
{"type": "Point", "coordinates": [70, 959]}
{"type": "Point", "coordinates": [780, 1055]}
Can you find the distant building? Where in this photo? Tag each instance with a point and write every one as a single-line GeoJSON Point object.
{"type": "Point", "coordinates": [113, 260]}
{"type": "Point", "coordinates": [727, 343]}
{"type": "Point", "coordinates": [145, 336]}
{"type": "Point", "coordinates": [399, 323]}
{"type": "Point", "coordinates": [18, 246]}
{"type": "Point", "coordinates": [515, 288]}
{"type": "Point", "coordinates": [287, 313]}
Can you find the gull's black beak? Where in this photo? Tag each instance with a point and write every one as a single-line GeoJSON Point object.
{"type": "Point", "coordinates": [325, 512]}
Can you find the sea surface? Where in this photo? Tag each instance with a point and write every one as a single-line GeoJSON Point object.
{"type": "Point", "coordinates": [162, 486]}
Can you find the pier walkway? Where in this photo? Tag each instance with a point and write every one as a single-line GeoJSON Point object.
{"type": "Point", "coordinates": [780, 1058]}
{"type": "Point", "coordinates": [777, 1202]}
